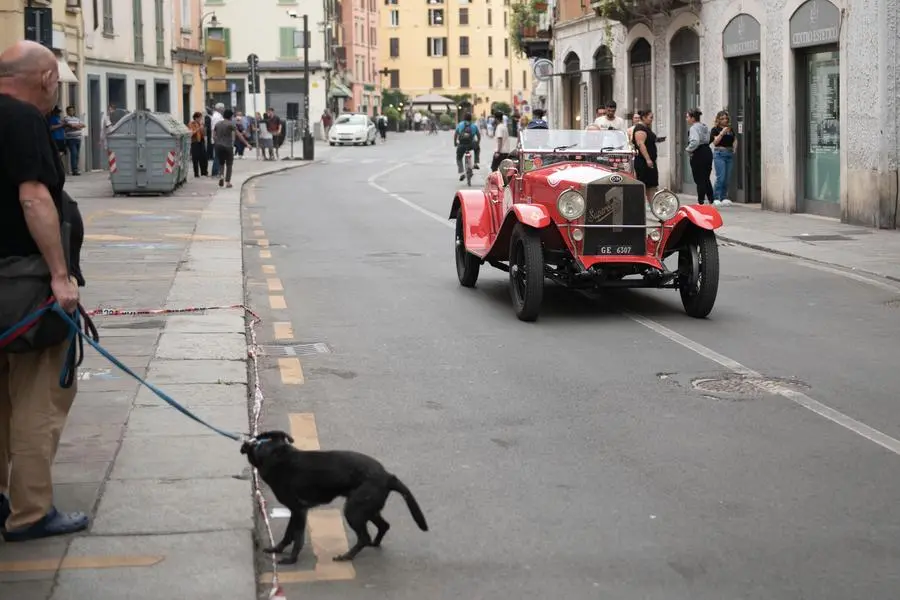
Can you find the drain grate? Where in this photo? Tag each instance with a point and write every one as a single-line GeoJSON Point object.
{"type": "Point", "coordinates": [823, 238]}
{"type": "Point", "coordinates": [739, 386]}
{"type": "Point", "coordinates": [294, 349]}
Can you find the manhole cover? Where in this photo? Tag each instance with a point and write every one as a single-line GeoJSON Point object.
{"type": "Point", "coordinates": [739, 386]}
{"type": "Point", "coordinates": [823, 238]}
{"type": "Point", "coordinates": [294, 349]}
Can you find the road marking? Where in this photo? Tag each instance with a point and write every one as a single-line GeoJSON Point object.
{"type": "Point", "coordinates": [79, 562]}
{"type": "Point", "coordinates": [277, 302]}
{"type": "Point", "coordinates": [799, 398]}
{"type": "Point", "coordinates": [262, 243]}
{"type": "Point", "coordinates": [327, 535]}
{"type": "Point", "coordinates": [283, 330]}
{"type": "Point", "coordinates": [835, 416]}
{"type": "Point", "coordinates": [274, 284]}
{"type": "Point", "coordinates": [268, 269]}
{"type": "Point", "coordinates": [265, 254]}
{"type": "Point", "coordinates": [291, 371]}
{"type": "Point", "coordinates": [259, 233]}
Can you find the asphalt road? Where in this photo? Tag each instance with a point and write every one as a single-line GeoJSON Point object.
{"type": "Point", "coordinates": [576, 457]}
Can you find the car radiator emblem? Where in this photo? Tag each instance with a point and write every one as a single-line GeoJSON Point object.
{"type": "Point", "coordinates": [615, 179]}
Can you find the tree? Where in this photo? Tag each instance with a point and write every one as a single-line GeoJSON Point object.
{"type": "Point", "coordinates": [395, 97]}
{"type": "Point", "coordinates": [503, 107]}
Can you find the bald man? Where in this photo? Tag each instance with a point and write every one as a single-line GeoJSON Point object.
{"type": "Point", "coordinates": [33, 405]}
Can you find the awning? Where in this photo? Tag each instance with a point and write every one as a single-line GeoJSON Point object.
{"type": "Point", "coordinates": [65, 72]}
{"type": "Point", "coordinates": [339, 90]}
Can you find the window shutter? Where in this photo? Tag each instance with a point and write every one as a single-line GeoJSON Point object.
{"type": "Point", "coordinates": [226, 37]}
{"type": "Point", "coordinates": [286, 39]}
{"type": "Point", "coordinates": [428, 46]}
{"type": "Point", "coordinates": [138, 20]}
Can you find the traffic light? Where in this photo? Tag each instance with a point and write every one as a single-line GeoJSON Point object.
{"type": "Point", "coordinates": [253, 74]}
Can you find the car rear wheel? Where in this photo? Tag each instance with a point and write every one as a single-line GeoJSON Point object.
{"type": "Point", "coordinates": [467, 265]}
{"type": "Point", "coordinates": [698, 269]}
{"type": "Point", "coordinates": [526, 272]}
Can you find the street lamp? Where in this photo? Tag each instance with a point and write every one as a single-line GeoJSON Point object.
{"type": "Point", "coordinates": [214, 22]}
{"type": "Point", "coordinates": [308, 142]}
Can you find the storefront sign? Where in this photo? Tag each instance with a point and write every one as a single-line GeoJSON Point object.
{"type": "Point", "coordinates": [741, 37]}
{"type": "Point", "coordinates": [815, 23]}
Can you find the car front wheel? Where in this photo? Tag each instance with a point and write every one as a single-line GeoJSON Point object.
{"type": "Point", "coordinates": [698, 268]}
{"type": "Point", "coordinates": [526, 272]}
{"type": "Point", "coordinates": [467, 265]}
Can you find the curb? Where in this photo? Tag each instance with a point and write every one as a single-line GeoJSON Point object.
{"type": "Point", "coordinates": [823, 263]}
{"type": "Point", "coordinates": [276, 170]}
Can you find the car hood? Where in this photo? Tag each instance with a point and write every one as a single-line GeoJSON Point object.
{"type": "Point", "coordinates": [577, 174]}
{"type": "Point", "coordinates": [349, 128]}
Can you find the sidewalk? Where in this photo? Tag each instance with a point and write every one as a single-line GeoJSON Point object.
{"type": "Point", "coordinates": [819, 239]}
{"type": "Point", "coordinates": [172, 513]}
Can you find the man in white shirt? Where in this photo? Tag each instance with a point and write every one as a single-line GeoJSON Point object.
{"type": "Point", "coordinates": [609, 120]}
{"type": "Point", "coordinates": [501, 134]}
{"type": "Point", "coordinates": [214, 119]}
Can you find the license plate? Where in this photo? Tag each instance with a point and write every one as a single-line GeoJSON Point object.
{"type": "Point", "coordinates": [615, 250]}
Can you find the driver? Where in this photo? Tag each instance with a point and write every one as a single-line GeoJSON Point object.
{"type": "Point", "coordinates": [465, 138]}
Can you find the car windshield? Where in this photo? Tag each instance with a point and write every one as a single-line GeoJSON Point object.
{"type": "Point", "coordinates": [351, 120]}
{"type": "Point", "coordinates": [587, 141]}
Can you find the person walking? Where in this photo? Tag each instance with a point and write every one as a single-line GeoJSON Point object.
{"type": "Point", "coordinates": [198, 145]}
{"type": "Point", "coordinates": [725, 144]}
{"type": "Point", "coordinates": [701, 155]}
{"type": "Point", "coordinates": [214, 119]}
{"type": "Point", "coordinates": [466, 137]}
{"type": "Point", "coordinates": [501, 134]}
{"type": "Point", "coordinates": [645, 140]}
{"type": "Point", "coordinates": [33, 405]}
{"type": "Point", "coordinates": [225, 134]}
{"type": "Point", "coordinates": [58, 129]}
{"type": "Point", "coordinates": [73, 128]}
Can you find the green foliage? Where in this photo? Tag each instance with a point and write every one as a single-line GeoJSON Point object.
{"type": "Point", "coordinates": [394, 97]}
{"type": "Point", "coordinates": [393, 114]}
{"type": "Point", "coordinates": [447, 119]}
{"type": "Point", "coordinates": [503, 107]}
{"type": "Point", "coordinates": [522, 16]}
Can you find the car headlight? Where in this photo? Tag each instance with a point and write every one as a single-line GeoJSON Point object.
{"type": "Point", "coordinates": [570, 204]}
{"type": "Point", "coordinates": [664, 205]}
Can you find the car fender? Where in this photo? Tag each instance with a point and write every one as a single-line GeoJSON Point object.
{"type": "Point", "coordinates": [688, 217]}
{"type": "Point", "coordinates": [476, 216]}
{"type": "Point", "coordinates": [535, 216]}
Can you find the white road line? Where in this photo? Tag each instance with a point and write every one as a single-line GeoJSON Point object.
{"type": "Point", "coordinates": [799, 398]}
{"type": "Point", "coordinates": [835, 416]}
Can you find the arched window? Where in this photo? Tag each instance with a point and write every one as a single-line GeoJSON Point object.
{"type": "Point", "coordinates": [641, 61]}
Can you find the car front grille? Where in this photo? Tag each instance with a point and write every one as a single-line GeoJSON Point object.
{"type": "Point", "coordinates": [613, 205]}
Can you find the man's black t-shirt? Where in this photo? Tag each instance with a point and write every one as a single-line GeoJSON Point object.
{"type": "Point", "coordinates": [27, 153]}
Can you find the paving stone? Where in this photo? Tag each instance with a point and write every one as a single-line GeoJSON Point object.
{"type": "Point", "coordinates": [178, 457]}
{"type": "Point", "coordinates": [51, 549]}
{"type": "Point", "coordinates": [207, 566]}
{"type": "Point", "coordinates": [151, 506]}
{"type": "Point", "coordinates": [166, 421]}
{"type": "Point", "coordinates": [202, 346]}
{"type": "Point", "coordinates": [194, 395]}
{"type": "Point", "coordinates": [220, 321]}
{"type": "Point", "coordinates": [80, 472]}
{"type": "Point", "coordinates": [198, 371]}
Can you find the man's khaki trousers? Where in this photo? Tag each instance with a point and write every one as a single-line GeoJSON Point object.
{"type": "Point", "coordinates": [33, 411]}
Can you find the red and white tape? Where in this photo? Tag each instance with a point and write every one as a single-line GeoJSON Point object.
{"type": "Point", "coordinates": [170, 162]}
{"type": "Point", "coordinates": [253, 353]}
{"type": "Point", "coordinates": [113, 167]}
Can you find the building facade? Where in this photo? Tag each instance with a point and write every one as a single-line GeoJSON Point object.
{"type": "Point", "coordinates": [188, 57]}
{"type": "Point", "coordinates": [57, 25]}
{"type": "Point", "coordinates": [783, 70]}
{"type": "Point", "coordinates": [453, 47]}
{"type": "Point", "coordinates": [272, 30]}
{"type": "Point", "coordinates": [360, 46]}
{"type": "Point", "coordinates": [128, 64]}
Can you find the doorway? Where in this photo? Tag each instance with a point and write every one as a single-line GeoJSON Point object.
{"type": "Point", "coordinates": [162, 101]}
{"type": "Point", "coordinates": [572, 91]}
{"type": "Point", "coordinates": [744, 98]}
{"type": "Point", "coordinates": [602, 80]}
{"type": "Point", "coordinates": [94, 107]}
{"type": "Point", "coordinates": [186, 103]}
{"type": "Point", "coordinates": [685, 53]}
{"type": "Point", "coordinates": [140, 95]}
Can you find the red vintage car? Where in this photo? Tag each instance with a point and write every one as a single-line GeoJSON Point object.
{"type": "Point", "coordinates": [568, 208]}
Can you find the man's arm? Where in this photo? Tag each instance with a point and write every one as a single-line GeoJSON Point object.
{"type": "Point", "coordinates": [43, 225]}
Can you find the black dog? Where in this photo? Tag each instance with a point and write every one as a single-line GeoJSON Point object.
{"type": "Point", "coordinates": [303, 479]}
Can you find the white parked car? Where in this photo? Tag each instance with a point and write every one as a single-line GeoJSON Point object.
{"type": "Point", "coordinates": [352, 128]}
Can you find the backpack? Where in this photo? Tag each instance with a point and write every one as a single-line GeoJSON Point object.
{"type": "Point", "coordinates": [465, 136]}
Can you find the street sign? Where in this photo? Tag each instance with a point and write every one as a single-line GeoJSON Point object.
{"type": "Point", "coordinates": [301, 40]}
{"type": "Point", "coordinates": [543, 69]}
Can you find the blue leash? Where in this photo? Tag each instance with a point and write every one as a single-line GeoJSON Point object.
{"type": "Point", "coordinates": [67, 374]}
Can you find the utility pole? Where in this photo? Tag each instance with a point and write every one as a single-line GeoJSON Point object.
{"type": "Point", "coordinates": [308, 141]}
{"type": "Point", "coordinates": [253, 85]}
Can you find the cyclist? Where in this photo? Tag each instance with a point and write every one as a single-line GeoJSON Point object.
{"type": "Point", "coordinates": [465, 138]}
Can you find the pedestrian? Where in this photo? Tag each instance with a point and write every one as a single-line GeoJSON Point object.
{"type": "Point", "coordinates": [58, 129]}
{"type": "Point", "coordinates": [214, 119]}
{"type": "Point", "coordinates": [273, 131]}
{"type": "Point", "coordinates": [501, 134]}
{"type": "Point", "coordinates": [225, 134]}
{"type": "Point", "coordinates": [635, 119]}
{"type": "Point", "coordinates": [241, 125]}
{"type": "Point", "coordinates": [73, 127]}
{"type": "Point", "coordinates": [538, 122]}
{"type": "Point", "coordinates": [33, 404]}
{"type": "Point", "coordinates": [326, 122]}
{"type": "Point", "coordinates": [198, 145]}
{"type": "Point", "coordinates": [382, 126]}
{"type": "Point", "coordinates": [725, 144]}
{"type": "Point", "coordinates": [645, 168]}
{"type": "Point", "coordinates": [701, 154]}
{"type": "Point", "coordinates": [608, 119]}
{"type": "Point", "coordinates": [106, 125]}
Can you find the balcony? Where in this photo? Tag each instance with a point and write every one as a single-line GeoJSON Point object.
{"type": "Point", "coordinates": [531, 24]}
{"type": "Point", "coordinates": [632, 12]}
